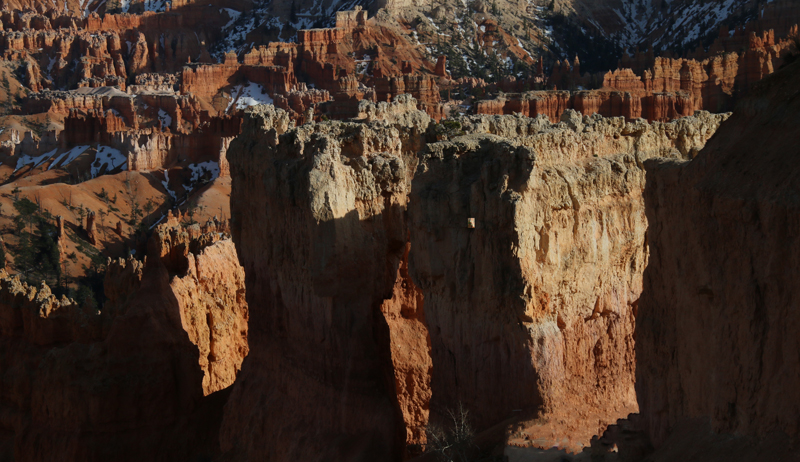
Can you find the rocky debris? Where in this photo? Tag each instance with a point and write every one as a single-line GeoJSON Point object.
{"type": "Point", "coordinates": [715, 335]}
{"type": "Point", "coordinates": [140, 375]}
{"type": "Point", "coordinates": [543, 290]}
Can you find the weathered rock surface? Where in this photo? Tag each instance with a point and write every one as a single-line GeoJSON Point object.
{"type": "Point", "coordinates": [318, 219]}
{"type": "Point", "coordinates": [542, 292]}
{"type": "Point", "coordinates": [717, 329]}
{"type": "Point", "coordinates": [208, 284]}
{"type": "Point", "coordinates": [125, 382]}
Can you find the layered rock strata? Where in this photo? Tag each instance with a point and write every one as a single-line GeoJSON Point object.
{"type": "Point", "coordinates": [716, 334]}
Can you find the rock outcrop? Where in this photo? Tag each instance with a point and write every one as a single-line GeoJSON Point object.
{"type": "Point", "coordinates": [209, 287]}
{"type": "Point", "coordinates": [125, 380]}
{"type": "Point", "coordinates": [321, 235]}
{"type": "Point", "coordinates": [657, 88]}
{"type": "Point", "coordinates": [716, 333]}
{"type": "Point", "coordinates": [542, 287]}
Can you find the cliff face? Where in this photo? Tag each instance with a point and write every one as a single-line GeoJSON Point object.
{"type": "Point", "coordinates": [716, 337]}
{"type": "Point", "coordinates": [358, 261]}
{"type": "Point", "coordinates": [543, 290]}
{"type": "Point", "coordinates": [208, 284]}
{"type": "Point", "coordinates": [125, 381]}
{"type": "Point", "coordinates": [318, 221]}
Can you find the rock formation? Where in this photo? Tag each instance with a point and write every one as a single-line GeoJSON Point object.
{"type": "Point", "coordinates": [716, 332]}
{"type": "Point", "coordinates": [657, 88]}
{"type": "Point", "coordinates": [543, 291]}
{"type": "Point", "coordinates": [124, 380]}
{"type": "Point", "coordinates": [333, 198]}
{"type": "Point", "coordinates": [91, 228]}
{"type": "Point", "coordinates": [209, 288]}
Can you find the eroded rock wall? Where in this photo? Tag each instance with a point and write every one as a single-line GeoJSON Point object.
{"type": "Point", "coordinates": [135, 378]}
{"type": "Point", "coordinates": [318, 219]}
{"type": "Point", "coordinates": [534, 308]}
{"type": "Point", "coordinates": [717, 327]}
{"type": "Point", "coordinates": [353, 282]}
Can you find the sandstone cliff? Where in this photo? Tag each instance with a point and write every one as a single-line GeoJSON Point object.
{"type": "Point", "coordinates": [543, 291]}
{"type": "Point", "coordinates": [718, 320]}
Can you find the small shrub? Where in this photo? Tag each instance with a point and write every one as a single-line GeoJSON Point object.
{"type": "Point", "coordinates": [453, 444]}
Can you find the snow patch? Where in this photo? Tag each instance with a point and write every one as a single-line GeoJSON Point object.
{"type": "Point", "coordinates": [35, 161]}
{"type": "Point", "coordinates": [70, 155]}
{"type": "Point", "coordinates": [248, 95]}
{"type": "Point", "coordinates": [164, 118]}
{"type": "Point", "coordinates": [233, 14]}
{"type": "Point", "coordinates": [199, 170]}
{"type": "Point", "coordinates": [165, 183]}
{"type": "Point", "coordinates": [109, 158]}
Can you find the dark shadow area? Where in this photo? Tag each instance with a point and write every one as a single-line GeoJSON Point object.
{"type": "Point", "coordinates": [472, 280]}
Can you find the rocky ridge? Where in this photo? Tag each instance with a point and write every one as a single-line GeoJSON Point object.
{"type": "Point", "coordinates": [658, 87]}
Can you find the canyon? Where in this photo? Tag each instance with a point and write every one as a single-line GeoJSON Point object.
{"type": "Point", "coordinates": [329, 189]}
{"type": "Point", "coordinates": [738, 398]}
{"type": "Point", "coordinates": [263, 230]}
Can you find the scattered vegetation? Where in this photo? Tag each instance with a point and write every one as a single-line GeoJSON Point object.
{"type": "Point", "coordinates": [455, 443]}
{"type": "Point", "coordinates": [132, 193]}
{"type": "Point", "coordinates": [448, 128]}
{"type": "Point", "coordinates": [36, 255]}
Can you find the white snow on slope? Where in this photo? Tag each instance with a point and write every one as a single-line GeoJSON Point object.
{"type": "Point", "coordinates": [164, 118]}
{"type": "Point", "coordinates": [681, 23]}
{"type": "Point", "coordinates": [233, 14]}
{"type": "Point", "coordinates": [68, 156]}
{"type": "Point", "coordinates": [248, 95]}
{"type": "Point", "coordinates": [198, 170]}
{"type": "Point", "coordinates": [35, 161]}
{"type": "Point", "coordinates": [109, 158]}
{"type": "Point", "coordinates": [165, 183]}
